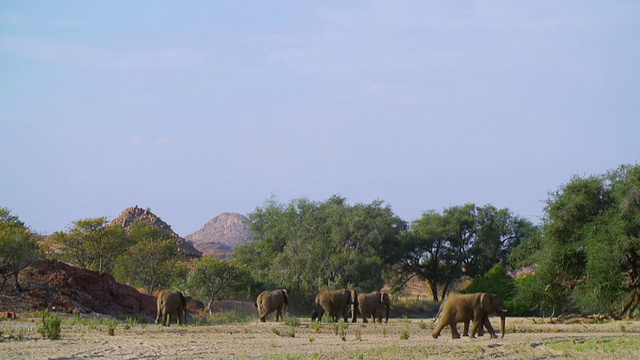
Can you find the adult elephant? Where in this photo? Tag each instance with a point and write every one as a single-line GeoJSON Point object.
{"type": "Point", "coordinates": [270, 301]}
{"type": "Point", "coordinates": [369, 305]}
{"type": "Point", "coordinates": [470, 307]}
{"type": "Point", "coordinates": [171, 304]}
{"type": "Point", "coordinates": [336, 303]}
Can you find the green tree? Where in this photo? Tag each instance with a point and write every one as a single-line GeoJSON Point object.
{"type": "Point", "coordinates": [150, 260]}
{"type": "Point", "coordinates": [589, 255]}
{"type": "Point", "coordinates": [464, 240]}
{"type": "Point", "coordinates": [92, 243]}
{"type": "Point", "coordinates": [212, 278]}
{"type": "Point", "coordinates": [495, 281]}
{"type": "Point", "coordinates": [306, 246]}
{"type": "Point", "coordinates": [18, 247]}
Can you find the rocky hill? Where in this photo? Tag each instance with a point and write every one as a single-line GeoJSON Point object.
{"type": "Point", "coordinates": [134, 214]}
{"type": "Point", "coordinates": [221, 234]}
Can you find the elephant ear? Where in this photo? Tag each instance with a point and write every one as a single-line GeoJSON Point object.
{"type": "Point", "coordinates": [384, 298]}
{"type": "Point", "coordinates": [485, 301]}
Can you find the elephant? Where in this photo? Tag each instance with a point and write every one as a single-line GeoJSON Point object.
{"type": "Point", "coordinates": [465, 325]}
{"type": "Point", "coordinates": [270, 301]}
{"type": "Point", "coordinates": [336, 303]}
{"type": "Point", "coordinates": [470, 307]}
{"type": "Point", "coordinates": [171, 304]}
{"type": "Point", "coordinates": [368, 305]}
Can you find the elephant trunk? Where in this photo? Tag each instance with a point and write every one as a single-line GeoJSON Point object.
{"type": "Point", "coordinates": [502, 318]}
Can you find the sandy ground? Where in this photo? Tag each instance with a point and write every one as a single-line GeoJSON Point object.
{"type": "Point", "coordinates": [526, 338]}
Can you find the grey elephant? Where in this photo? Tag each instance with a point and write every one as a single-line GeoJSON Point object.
{"type": "Point", "coordinates": [470, 307]}
{"type": "Point", "coordinates": [336, 303]}
{"type": "Point", "coordinates": [369, 305]}
{"type": "Point", "coordinates": [270, 301]}
{"type": "Point", "coordinates": [171, 304]}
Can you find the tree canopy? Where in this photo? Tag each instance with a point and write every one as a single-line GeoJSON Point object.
{"type": "Point", "coordinates": [589, 255]}
{"type": "Point", "coordinates": [465, 240]}
{"type": "Point", "coordinates": [18, 247]}
{"type": "Point", "coordinates": [307, 246]}
{"type": "Point", "coordinates": [92, 243]}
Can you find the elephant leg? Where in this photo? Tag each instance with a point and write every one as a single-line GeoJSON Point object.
{"type": "Point", "coordinates": [488, 326]}
{"type": "Point", "coordinates": [279, 315]}
{"type": "Point", "coordinates": [454, 331]}
{"type": "Point", "coordinates": [364, 319]}
{"type": "Point", "coordinates": [438, 329]}
{"type": "Point", "coordinates": [465, 328]}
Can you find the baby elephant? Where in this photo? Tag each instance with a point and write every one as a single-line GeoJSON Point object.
{"type": "Point", "coordinates": [171, 304]}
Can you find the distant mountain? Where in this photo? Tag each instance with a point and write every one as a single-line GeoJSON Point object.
{"type": "Point", "coordinates": [134, 214]}
{"type": "Point", "coordinates": [221, 234]}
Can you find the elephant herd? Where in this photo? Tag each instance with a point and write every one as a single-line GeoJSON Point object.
{"type": "Point", "coordinates": [457, 308]}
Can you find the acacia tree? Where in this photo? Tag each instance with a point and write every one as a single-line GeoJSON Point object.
{"type": "Point", "coordinates": [18, 247]}
{"type": "Point", "coordinates": [92, 243]}
{"type": "Point", "coordinates": [150, 260]}
{"type": "Point", "coordinates": [212, 278]}
{"type": "Point", "coordinates": [463, 240]}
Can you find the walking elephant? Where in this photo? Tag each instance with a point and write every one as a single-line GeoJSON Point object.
{"type": "Point", "coordinates": [336, 303]}
{"type": "Point", "coordinates": [270, 301]}
{"type": "Point", "coordinates": [470, 307]}
{"type": "Point", "coordinates": [370, 304]}
{"type": "Point", "coordinates": [171, 304]}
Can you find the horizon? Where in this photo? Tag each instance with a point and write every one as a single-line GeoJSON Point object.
{"type": "Point", "coordinates": [194, 109]}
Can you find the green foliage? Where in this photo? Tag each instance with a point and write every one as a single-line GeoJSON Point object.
{"type": "Point", "coordinates": [306, 246]}
{"type": "Point", "coordinates": [18, 247]}
{"type": "Point", "coordinates": [50, 328]}
{"type": "Point", "coordinates": [151, 260]}
{"type": "Point", "coordinates": [230, 317]}
{"type": "Point", "coordinates": [463, 240]}
{"type": "Point", "coordinates": [589, 255]}
{"type": "Point", "coordinates": [496, 281]}
{"type": "Point", "coordinates": [92, 243]}
{"type": "Point", "coordinates": [212, 278]}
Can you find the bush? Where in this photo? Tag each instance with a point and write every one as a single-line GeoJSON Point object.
{"type": "Point", "coordinates": [50, 328]}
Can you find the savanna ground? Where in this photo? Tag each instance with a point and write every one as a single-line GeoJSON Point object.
{"type": "Point", "coordinates": [526, 338]}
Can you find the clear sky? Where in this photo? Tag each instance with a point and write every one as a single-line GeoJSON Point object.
{"type": "Point", "coordinates": [194, 108]}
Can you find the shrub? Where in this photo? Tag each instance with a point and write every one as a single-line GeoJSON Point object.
{"type": "Point", "coordinates": [50, 328]}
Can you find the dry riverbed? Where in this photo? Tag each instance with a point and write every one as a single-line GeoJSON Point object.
{"type": "Point", "coordinates": [526, 338]}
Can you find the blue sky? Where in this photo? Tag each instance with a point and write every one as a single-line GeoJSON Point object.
{"type": "Point", "coordinates": [194, 108]}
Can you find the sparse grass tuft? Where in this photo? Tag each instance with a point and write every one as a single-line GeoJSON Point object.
{"type": "Point", "coordinates": [112, 324]}
{"type": "Point", "coordinates": [405, 334]}
{"type": "Point", "coordinates": [292, 321]}
{"type": "Point", "coordinates": [315, 326]}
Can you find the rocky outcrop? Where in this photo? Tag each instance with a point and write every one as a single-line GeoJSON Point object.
{"type": "Point", "coordinates": [134, 214]}
{"type": "Point", "coordinates": [60, 287]}
{"type": "Point", "coordinates": [221, 234]}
